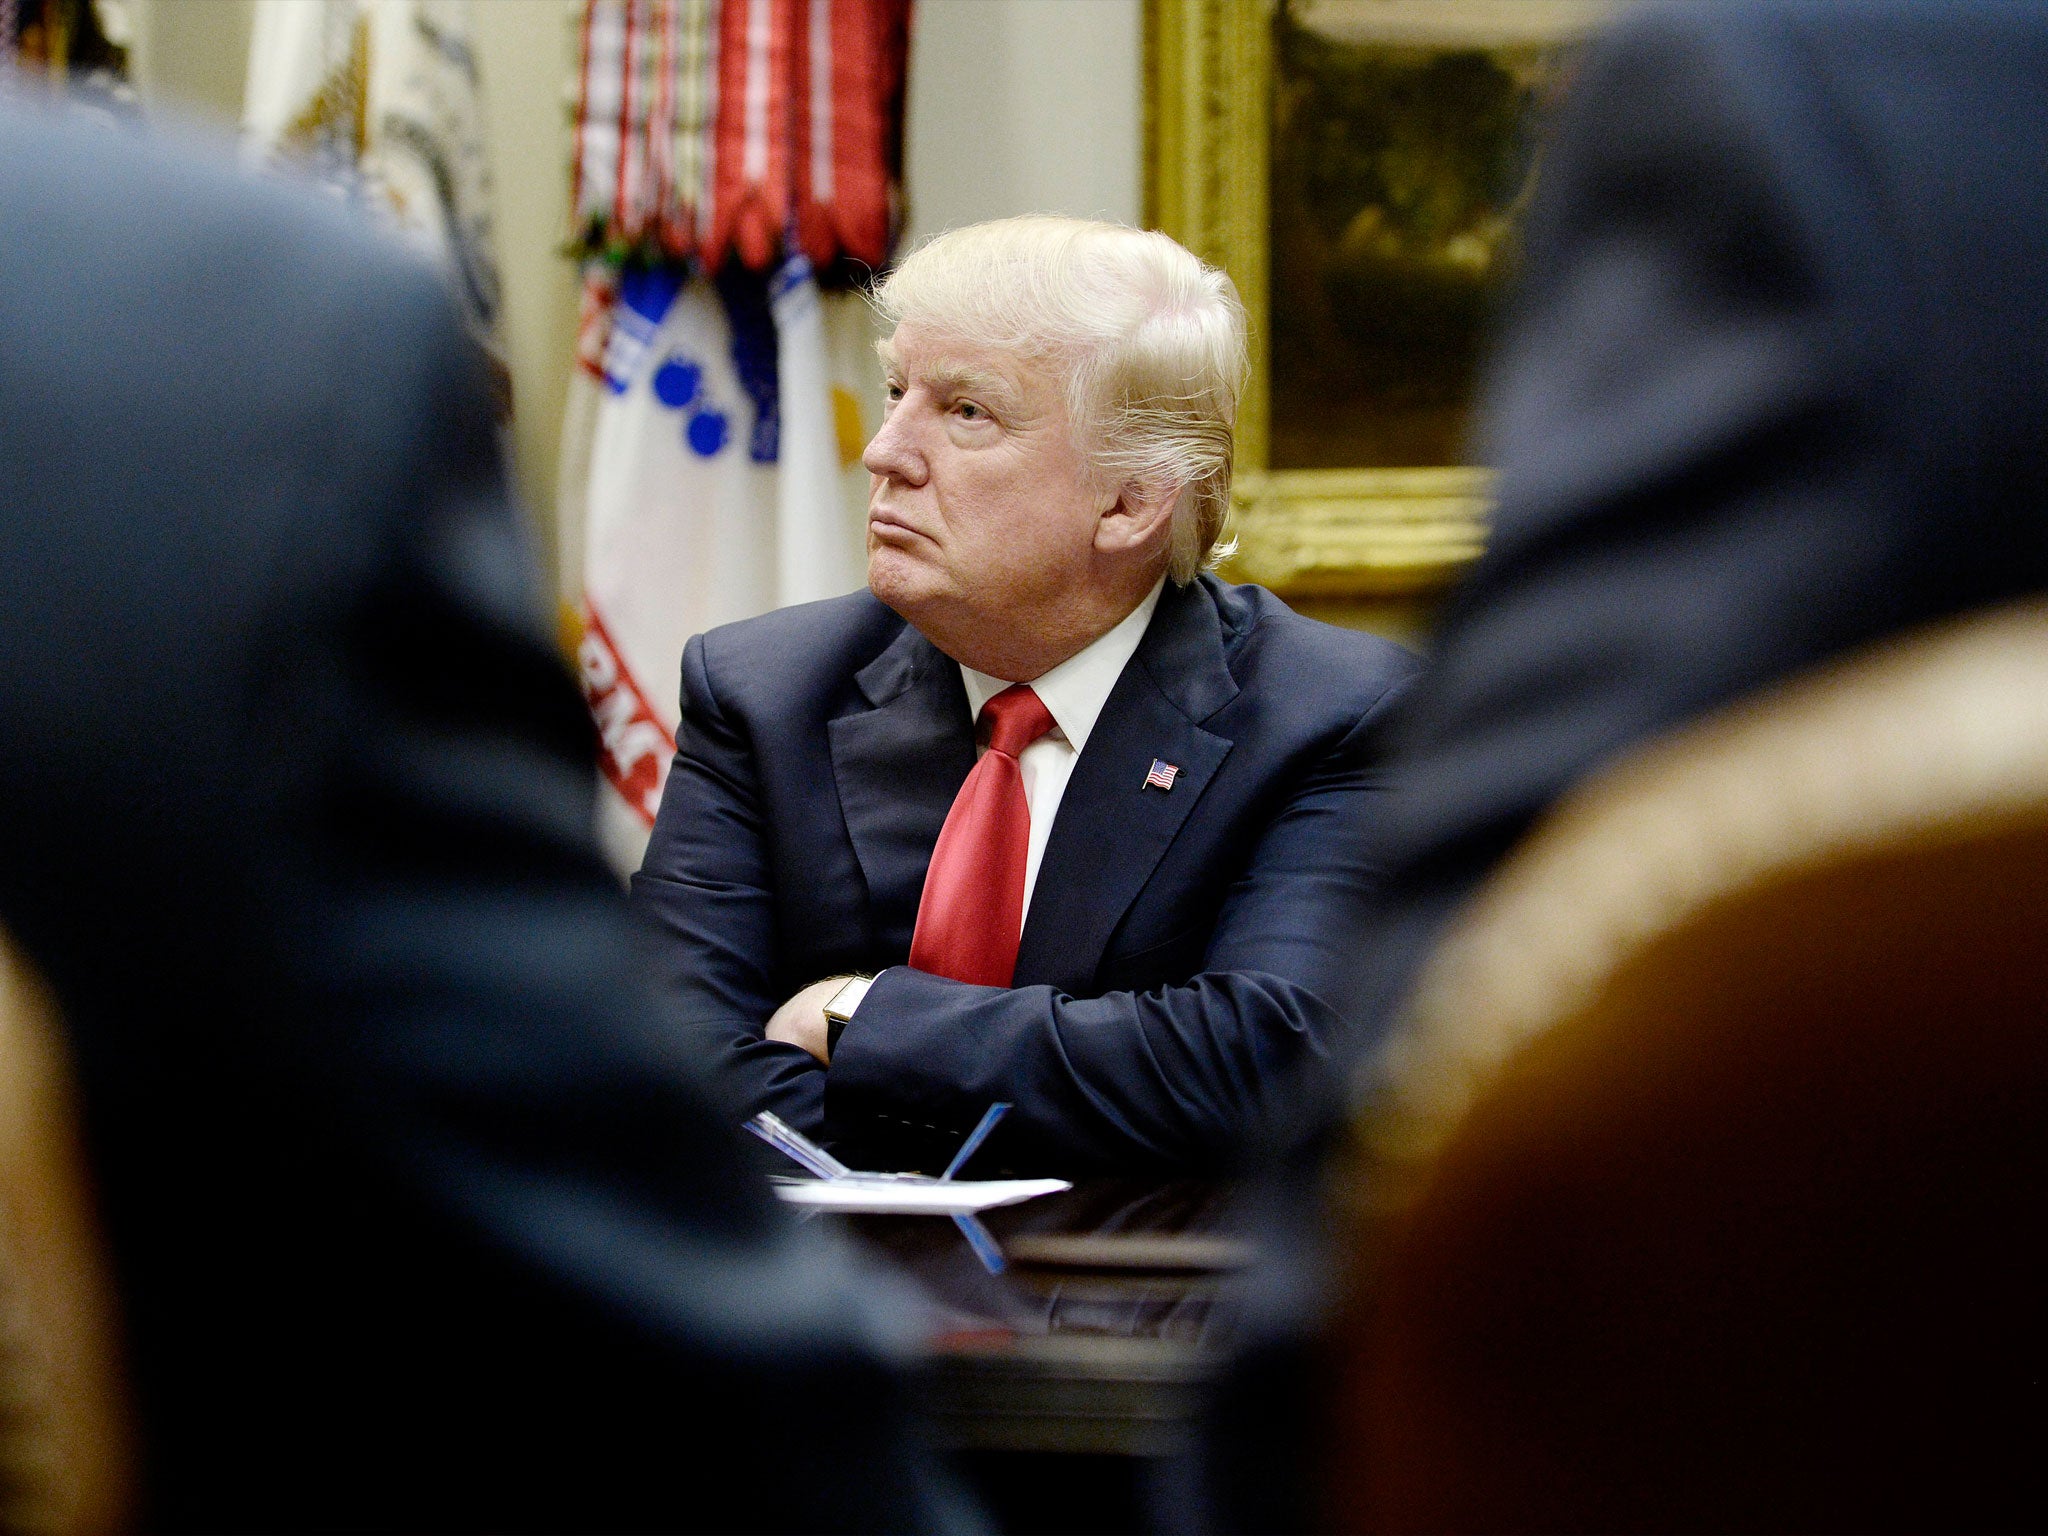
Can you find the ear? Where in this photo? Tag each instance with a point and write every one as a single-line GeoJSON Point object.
{"type": "Point", "coordinates": [1140, 518]}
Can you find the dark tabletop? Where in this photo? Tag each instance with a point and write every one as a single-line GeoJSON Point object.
{"type": "Point", "coordinates": [1080, 1322]}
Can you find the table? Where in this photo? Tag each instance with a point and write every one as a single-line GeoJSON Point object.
{"type": "Point", "coordinates": [1109, 1315]}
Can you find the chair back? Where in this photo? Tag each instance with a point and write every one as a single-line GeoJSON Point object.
{"type": "Point", "coordinates": [65, 1449]}
{"type": "Point", "coordinates": [1706, 1183]}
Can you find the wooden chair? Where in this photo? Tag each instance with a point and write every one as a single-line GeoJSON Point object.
{"type": "Point", "coordinates": [1706, 1185]}
{"type": "Point", "coordinates": [65, 1457]}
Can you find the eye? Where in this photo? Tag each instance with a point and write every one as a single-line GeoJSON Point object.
{"type": "Point", "coordinates": [892, 391]}
{"type": "Point", "coordinates": [969, 411]}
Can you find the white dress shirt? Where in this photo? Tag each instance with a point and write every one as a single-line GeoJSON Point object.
{"type": "Point", "coordinates": [1073, 694]}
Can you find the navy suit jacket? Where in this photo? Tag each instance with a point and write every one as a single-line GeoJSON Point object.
{"type": "Point", "coordinates": [1183, 952]}
{"type": "Point", "coordinates": [420, 1216]}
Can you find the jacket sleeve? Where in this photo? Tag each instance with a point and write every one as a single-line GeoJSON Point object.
{"type": "Point", "coordinates": [1180, 1078]}
{"type": "Point", "coordinates": [707, 888]}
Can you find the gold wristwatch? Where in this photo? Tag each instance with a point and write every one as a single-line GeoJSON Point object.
{"type": "Point", "coordinates": [840, 1006]}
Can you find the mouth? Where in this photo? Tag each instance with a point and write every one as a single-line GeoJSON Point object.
{"type": "Point", "coordinates": [890, 528]}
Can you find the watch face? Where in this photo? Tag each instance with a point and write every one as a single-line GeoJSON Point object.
{"type": "Point", "coordinates": [841, 1006]}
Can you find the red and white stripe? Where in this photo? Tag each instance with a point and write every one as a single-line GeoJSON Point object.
{"type": "Point", "coordinates": [685, 125]}
{"type": "Point", "coordinates": [751, 191]}
{"type": "Point", "coordinates": [842, 191]}
{"type": "Point", "coordinates": [634, 747]}
{"type": "Point", "coordinates": [705, 127]}
{"type": "Point", "coordinates": [594, 168]}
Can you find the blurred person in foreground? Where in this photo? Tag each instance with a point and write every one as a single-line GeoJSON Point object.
{"type": "Point", "coordinates": [419, 1217]}
{"type": "Point", "coordinates": [1774, 386]}
{"type": "Point", "coordinates": [1130, 916]}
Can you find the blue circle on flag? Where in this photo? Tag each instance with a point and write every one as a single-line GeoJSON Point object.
{"type": "Point", "coordinates": [706, 433]}
{"type": "Point", "coordinates": [676, 382]}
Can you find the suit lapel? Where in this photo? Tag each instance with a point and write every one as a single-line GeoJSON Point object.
{"type": "Point", "coordinates": [1112, 831]}
{"type": "Point", "coordinates": [898, 766]}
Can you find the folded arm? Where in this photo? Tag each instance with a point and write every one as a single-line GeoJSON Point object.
{"type": "Point", "coordinates": [708, 888]}
{"type": "Point", "coordinates": [1176, 1077]}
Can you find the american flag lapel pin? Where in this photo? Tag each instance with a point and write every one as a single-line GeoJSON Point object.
{"type": "Point", "coordinates": [1162, 774]}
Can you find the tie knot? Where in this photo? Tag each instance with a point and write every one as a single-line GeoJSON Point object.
{"type": "Point", "coordinates": [1016, 718]}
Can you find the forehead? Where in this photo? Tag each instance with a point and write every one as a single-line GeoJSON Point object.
{"type": "Point", "coordinates": [936, 360]}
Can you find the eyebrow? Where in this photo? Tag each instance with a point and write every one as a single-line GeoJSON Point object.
{"type": "Point", "coordinates": [952, 379]}
{"type": "Point", "coordinates": [979, 382]}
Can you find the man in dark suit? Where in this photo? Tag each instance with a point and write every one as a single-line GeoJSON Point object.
{"type": "Point", "coordinates": [420, 1217]}
{"type": "Point", "coordinates": [1775, 385]}
{"type": "Point", "coordinates": [1190, 768]}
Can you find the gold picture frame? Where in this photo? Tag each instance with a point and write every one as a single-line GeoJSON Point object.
{"type": "Point", "coordinates": [1376, 545]}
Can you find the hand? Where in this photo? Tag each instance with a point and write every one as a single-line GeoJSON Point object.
{"type": "Point", "coordinates": [801, 1020]}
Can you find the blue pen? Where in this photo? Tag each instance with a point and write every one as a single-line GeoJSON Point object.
{"type": "Point", "coordinates": [983, 1242]}
{"type": "Point", "coordinates": [974, 1140]}
{"type": "Point", "coordinates": [979, 1238]}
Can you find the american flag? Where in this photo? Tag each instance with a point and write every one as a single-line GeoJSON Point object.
{"type": "Point", "coordinates": [1161, 775]}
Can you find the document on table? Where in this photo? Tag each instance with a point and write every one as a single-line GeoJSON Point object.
{"type": "Point", "coordinates": [840, 1188]}
{"type": "Point", "coordinates": [912, 1196]}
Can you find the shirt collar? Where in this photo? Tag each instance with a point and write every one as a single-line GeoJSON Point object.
{"type": "Point", "coordinates": [1075, 691]}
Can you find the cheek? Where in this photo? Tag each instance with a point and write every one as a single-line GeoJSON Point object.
{"type": "Point", "coordinates": [1054, 527]}
{"type": "Point", "coordinates": [1023, 552]}
{"type": "Point", "coordinates": [1009, 526]}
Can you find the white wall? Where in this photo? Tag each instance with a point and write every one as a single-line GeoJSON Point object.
{"type": "Point", "coordinates": [1016, 106]}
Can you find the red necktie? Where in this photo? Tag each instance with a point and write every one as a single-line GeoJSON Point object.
{"type": "Point", "coordinates": [973, 903]}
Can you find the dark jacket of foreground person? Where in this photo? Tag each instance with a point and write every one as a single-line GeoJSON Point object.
{"type": "Point", "coordinates": [1775, 385]}
{"type": "Point", "coordinates": [419, 1217]}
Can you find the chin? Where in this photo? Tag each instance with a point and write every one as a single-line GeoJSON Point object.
{"type": "Point", "coordinates": [901, 581]}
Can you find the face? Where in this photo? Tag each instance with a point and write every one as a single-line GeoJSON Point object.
{"type": "Point", "coordinates": [982, 510]}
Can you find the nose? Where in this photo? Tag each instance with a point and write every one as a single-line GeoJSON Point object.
{"type": "Point", "coordinates": [892, 453]}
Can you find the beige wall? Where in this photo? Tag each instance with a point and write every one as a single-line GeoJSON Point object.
{"type": "Point", "coordinates": [194, 54]}
{"type": "Point", "coordinates": [1016, 106]}
{"type": "Point", "coordinates": [526, 53]}
{"type": "Point", "coordinates": [1024, 106]}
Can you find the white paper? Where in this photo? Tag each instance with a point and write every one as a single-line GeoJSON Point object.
{"type": "Point", "coordinates": [898, 1197]}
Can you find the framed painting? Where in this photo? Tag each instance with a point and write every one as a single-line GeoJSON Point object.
{"type": "Point", "coordinates": [1359, 168]}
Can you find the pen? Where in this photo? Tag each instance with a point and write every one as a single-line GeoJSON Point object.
{"type": "Point", "coordinates": [983, 1242]}
{"type": "Point", "coordinates": [791, 1142]}
{"type": "Point", "coordinates": [974, 1140]}
{"type": "Point", "coordinates": [794, 1144]}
